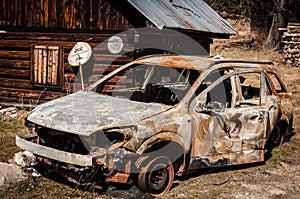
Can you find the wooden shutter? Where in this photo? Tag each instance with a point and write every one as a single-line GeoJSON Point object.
{"type": "Point", "coordinates": [46, 69]}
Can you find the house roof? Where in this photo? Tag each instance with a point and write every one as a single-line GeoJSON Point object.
{"type": "Point", "coordinates": [183, 14]}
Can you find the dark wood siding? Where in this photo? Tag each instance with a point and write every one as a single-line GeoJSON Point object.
{"type": "Point", "coordinates": [69, 14]}
{"type": "Point", "coordinates": [15, 55]}
{"type": "Point", "coordinates": [62, 23]}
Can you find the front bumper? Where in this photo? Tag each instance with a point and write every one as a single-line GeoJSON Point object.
{"type": "Point", "coordinates": [62, 156]}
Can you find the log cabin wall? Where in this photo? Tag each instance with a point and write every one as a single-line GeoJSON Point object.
{"type": "Point", "coordinates": [37, 35]}
{"type": "Point", "coordinates": [69, 14]}
{"type": "Point", "coordinates": [17, 85]}
{"type": "Point", "coordinates": [30, 29]}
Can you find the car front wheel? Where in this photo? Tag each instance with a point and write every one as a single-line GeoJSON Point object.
{"type": "Point", "coordinates": [156, 177]}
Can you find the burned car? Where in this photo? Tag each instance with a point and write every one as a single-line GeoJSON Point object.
{"type": "Point", "coordinates": [161, 116]}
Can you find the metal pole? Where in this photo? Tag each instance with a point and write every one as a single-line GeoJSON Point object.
{"type": "Point", "coordinates": [81, 76]}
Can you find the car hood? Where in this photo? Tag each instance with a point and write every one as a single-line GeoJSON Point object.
{"type": "Point", "coordinates": [85, 112]}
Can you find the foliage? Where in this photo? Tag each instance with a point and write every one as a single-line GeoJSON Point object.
{"type": "Point", "coordinates": [232, 7]}
{"type": "Point", "coordinates": [266, 16]}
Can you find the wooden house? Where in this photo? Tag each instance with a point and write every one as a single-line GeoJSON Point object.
{"type": "Point", "coordinates": [36, 37]}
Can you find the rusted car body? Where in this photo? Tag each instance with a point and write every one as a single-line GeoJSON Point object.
{"type": "Point", "coordinates": [161, 116]}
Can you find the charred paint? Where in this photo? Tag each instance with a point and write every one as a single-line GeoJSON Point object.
{"type": "Point", "coordinates": [123, 135]}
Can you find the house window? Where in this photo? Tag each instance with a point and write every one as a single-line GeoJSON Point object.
{"type": "Point", "coordinates": [46, 66]}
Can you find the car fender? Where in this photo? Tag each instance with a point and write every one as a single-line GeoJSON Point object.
{"type": "Point", "coordinates": [162, 136]}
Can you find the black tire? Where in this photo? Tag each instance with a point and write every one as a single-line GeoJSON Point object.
{"type": "Point", "coordinates": [290, 128]}
{"type": "Point", "coordinates": [276, 138]}
{"type": "Point", "coordinates": [156, 177]}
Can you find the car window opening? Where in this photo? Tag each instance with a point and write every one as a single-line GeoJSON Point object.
{"type": "Point", "coordinates": [150, 83]}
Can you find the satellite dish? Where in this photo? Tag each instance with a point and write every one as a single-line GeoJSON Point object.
{"type": "Point", "coordinates": [115, 44]}
{"type": "Point", "coordinates": [80, 54]}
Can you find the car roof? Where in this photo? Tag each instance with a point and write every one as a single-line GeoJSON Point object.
{"type": "Point", "coordinates": [201, 63]}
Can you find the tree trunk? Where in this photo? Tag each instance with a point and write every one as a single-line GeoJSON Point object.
{"type": "Point", "coordinates": [258, 16]}
{"type": "Point", "coordinates": [280, 20]}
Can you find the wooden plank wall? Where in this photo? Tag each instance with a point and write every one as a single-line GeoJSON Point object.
{"type": "Point", "coordinates": [69, 14]}
{"type": "Point", "coordinates": [15, 84]}
{"type": "Point", "coordinates": [61, 23]}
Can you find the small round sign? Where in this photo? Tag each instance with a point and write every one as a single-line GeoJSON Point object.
{"type": "Point", "coordinates": [115, 44]}
{"type": "Point", "coordinates": [80, 54]}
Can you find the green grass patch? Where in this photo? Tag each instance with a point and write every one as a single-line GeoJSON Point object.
{"type": "Point", "coordinates": [9, 128]}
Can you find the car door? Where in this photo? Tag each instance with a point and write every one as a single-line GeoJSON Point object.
{"type": "Point", "coordinates": [216, 132]}
{"type": "Point", "coordinates": [261, 108]}
{"type": "Point", "coordinates": [225, 128]}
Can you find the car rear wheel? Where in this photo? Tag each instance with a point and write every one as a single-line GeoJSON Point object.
{"type": "Point", "coordinates": [156, 177]}
{"type": "Point", "coordinates": [276, 137]}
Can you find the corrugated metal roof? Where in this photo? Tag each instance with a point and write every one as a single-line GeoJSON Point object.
{"type": "Point", "coordinates": [183, 14]}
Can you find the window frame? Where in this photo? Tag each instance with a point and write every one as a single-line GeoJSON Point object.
{"type": "Point", "coordinates": [59, 68]}
{"type": "Point", "coordinates": [280, 81]}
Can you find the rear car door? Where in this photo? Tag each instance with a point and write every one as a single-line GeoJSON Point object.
{"type": "Point", "coordinates": [230, 129]}
{"type": "Point", "coordinates": [259, 109]}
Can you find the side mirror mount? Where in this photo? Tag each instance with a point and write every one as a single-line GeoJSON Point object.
{"type": "Point", "coordinates": [215, 107]}
{"type": "Point", "coordinates": [203, 107]}
{"type": "Point", "coordinates": [201, 101]}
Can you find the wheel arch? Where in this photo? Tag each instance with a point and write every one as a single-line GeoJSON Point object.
{"type": "Point", "coordinates": [167, 144]}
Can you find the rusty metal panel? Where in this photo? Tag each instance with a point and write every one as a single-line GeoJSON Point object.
{"type": "Point", "coordinates": [71, 158]}
{"type": "Point", "coordinates": [190, 15]}
{"type": "Point", "coordinates": [73, 113]}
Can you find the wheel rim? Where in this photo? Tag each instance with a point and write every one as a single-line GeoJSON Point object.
{"type": "Point", "coordinates": [157, 176]}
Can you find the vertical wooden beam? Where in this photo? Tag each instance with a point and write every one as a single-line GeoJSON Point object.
{"type": "Point", "coordinates": [40, 67]}
{"type": "Point", "coordinates": [60, 14]}
{"type": "Point", "coordinates": [53, 14]}
{"type": "Point", "coordinates": [107, 15]}
{"type": "Point", "coordinates": [97, 15]}
{"type": "Point", "coordinates": [61, 68]}
{"type": "Point", "coordinates": [44, 66]}
{"type": "Point", "coordinates": [46, 13]}
{"type": "Point", "coordinates": [22, 12]}
{"type": "Point", "coordinates": [3, 13]}
{"type": "Point", "coordinates": [113, 20]}
{"type": "Point", "coordinates": [8, 12]}
{"type": "Point", "coordinates": [91, 15]}
{"type": "Point", "coordinates": [34, 66]}
{"type": "Point", "coordinates": [50, 65]}
{"type": "Point", "coordinates": [85, 17]}
{"type": "Point", "coordinates": [19, 13]}
{"type": "Point", "coordinates": [11, 13]}
{"type": "Point", "coordinates": [55, 64]}
{"type": "Point", "coordinates": [101, 15]}
{"type": "Point", "coordinates": [28, 13]}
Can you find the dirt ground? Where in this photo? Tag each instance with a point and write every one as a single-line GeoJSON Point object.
{"type": "Point", "coordinates": [278, 177]}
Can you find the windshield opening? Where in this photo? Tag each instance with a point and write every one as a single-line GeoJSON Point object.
{"type": "Point", "coordinates": [149, 83]}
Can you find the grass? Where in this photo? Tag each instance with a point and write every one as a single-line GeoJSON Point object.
{"type": "Point", "coordinates": [46, 188]}
{"type": "Point", "coordinates": [9, 128]}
